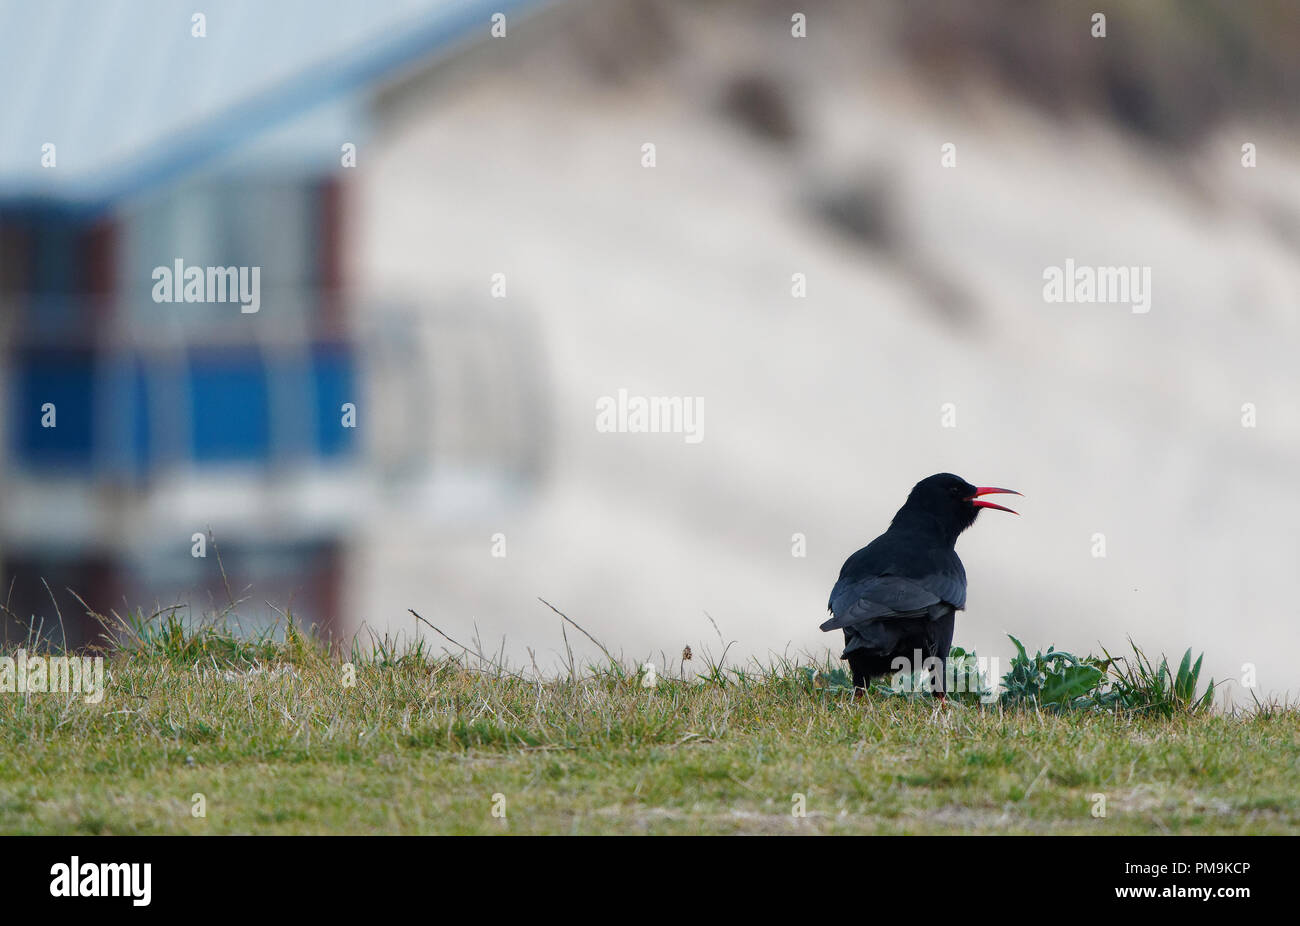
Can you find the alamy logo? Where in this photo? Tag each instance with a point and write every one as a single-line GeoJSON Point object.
{"type": "Point", "coordinates": [1119, 285]}
{"type": "Point", "coordinates": [179, 283]}
{"type": "Point", "coordinates": [105, 879]}
{"type": "Point", "coordinates": [636, 414]}
{"type": "Point", "coordinates": [959, 675]}
{"type": "Point", "coordinates": [24, 674]}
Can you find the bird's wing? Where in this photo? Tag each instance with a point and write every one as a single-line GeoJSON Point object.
{"type": "Point", "coordinates": [947, 579]}
{"type": "Point", "coordinates": [883, 597]}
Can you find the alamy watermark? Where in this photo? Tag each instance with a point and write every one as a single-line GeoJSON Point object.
{"type": "Point", "coordinates": [76, 878]}
{"type": "Point", "coordinates": [961, 674]}
{"type": "Point", "coordinates": [179, 283]}
{"type": "Point", "coordinates": [24, 674]}
{"type": "Point", "coordinates": [1129, 286]}
{"type": "Point", "coordinates": [637, 414]}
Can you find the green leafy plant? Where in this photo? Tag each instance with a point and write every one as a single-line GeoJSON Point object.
{"type": "Point", "coordinates": [1057, 679]}
{"type": "Point", "coordinates": [1141, 685]}
{"type": "Point", "coordinates": [966, 681]}
{"type": "Point", "coordinates": [1061, 680]}
{"type": "Point", "coordinates": [971, 682]}
{"type": "Point", "coordinates": [826, 679]}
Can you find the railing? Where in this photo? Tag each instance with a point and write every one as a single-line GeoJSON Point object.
{"type": "Point", "coordinates": [262, 417]}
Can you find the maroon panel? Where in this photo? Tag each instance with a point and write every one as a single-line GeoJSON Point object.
{"type": "Point", "coordinates": [55, 611]}
{"type": "Point", "coordinates": [15, 258]}
{"type": "Point", "coordinates": [97, 276]}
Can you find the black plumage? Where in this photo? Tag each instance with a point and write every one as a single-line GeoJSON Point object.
{"type": "Point", "coordinates": [899, 595]}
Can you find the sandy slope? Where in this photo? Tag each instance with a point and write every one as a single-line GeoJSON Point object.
{"type": "Point", "coordinates": [821, 412]}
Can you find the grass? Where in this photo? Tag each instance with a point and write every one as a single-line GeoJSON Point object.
{"type": "Point", "coordinates": [276, 742]}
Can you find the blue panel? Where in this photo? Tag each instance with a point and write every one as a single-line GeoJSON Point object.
{"type": "Point", "coordinates": [142, 432]}
{"type": "Point", "coordinates": [229, 411]}
{"type": "Point", "coordinates": [333, 369]}
{"type": "Point", "coordinates": [125, 433]}
{"type": "Point", "coordinates": [66, 379]}
{"type": "Point", "coordinates": [226, 395]}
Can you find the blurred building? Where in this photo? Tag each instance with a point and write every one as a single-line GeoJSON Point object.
{"type": "Point", "coordinates": [164, 446]}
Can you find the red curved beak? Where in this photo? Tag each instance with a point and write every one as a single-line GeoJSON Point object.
{"type": "Point", "coordinates": [991, 490]}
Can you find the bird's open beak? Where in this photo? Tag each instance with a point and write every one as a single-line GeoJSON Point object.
{"type": "Point", "coordinates": [991, 490]}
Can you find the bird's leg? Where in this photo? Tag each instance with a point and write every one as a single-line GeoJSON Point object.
{"type": "Point", "coordinates": [860, 682]}
{"type": "Point", "coordinates": [939, 680]}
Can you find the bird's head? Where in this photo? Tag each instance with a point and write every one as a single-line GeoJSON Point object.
{"type": "Point", "coordinates": [951, 500]}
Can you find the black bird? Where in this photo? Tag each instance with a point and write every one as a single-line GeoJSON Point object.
{"type": "Point", "coordinates": [900, 594]}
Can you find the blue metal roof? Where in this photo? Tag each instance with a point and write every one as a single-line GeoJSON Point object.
{"type": "Point", "coordinates": [132, 100]}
